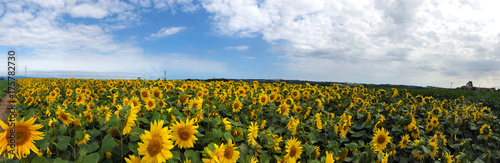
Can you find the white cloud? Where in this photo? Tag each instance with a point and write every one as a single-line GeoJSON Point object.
{"type": "Point", "coordinates": [237, 48]}
{"type": "Point", "coordinates": [88, 11]}
{"type": "Point", "coordinates": [48, 42]}
{"type": "Point", "coordinates": [247, 57]}
{"type": "Point", "coordinates": [164, 32]}
{"type": "Point", "coordinates": [381, 40]}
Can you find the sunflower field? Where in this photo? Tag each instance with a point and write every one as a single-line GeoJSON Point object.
{"type": "Point", "coordinates": [88, 120]}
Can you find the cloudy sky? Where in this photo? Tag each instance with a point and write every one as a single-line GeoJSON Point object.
{"type": "Point", "coordinates": [426, 43]}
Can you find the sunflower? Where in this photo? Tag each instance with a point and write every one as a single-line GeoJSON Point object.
{"type": "Point", "coordinates": [215, 156]}
{"type": "Point", "coordinates": [196, 103]}
{"type": "Point", "coordinates": [293, 149]}
{"type": "Point", "coordinates": [86, 138]}
{"type": "Point", "coordinates": [345, 128]}
{"type": "Point", "coordinates": [144, 93]}
{"type": "Point", "coordinates": [404, 141]}
{"type": "Point", "coordinates": [429, 127]}
{"type": "Point", "coordinates": [329, 157]}
{"type": "Point", "coordinates": [227, 124]}
{"type": "Point", "coordinates": [435, 121]}
{"type": "Point", "coordinates": [183, 133]}
{"type": "Point", "coordinates": [156, 143]}
{"type": "Point", "coordinates": [263, 99]}
{"type": "Point", "coordinates": [66, 118]}
{"type": "Point", "coordinates": [284, 109]}
{"type": "Point", "coordinates": [319, 123]}
{"type": "Point", "coordinates": [449, 158]}
{"type": "Point", "coordinates": [131, 118]}
{"type": "Point", "coordinates": [434, 149]}
{"type": "Point", "coordinates": [231, 155]}
{"type": "Point", "coordinates": [135, 101]}
{"type": "Point", "coordinates": [253, 131]}
{"type": "Point", "coordinates": [25, 135]}
{"type": "Point", "coordinates": [150, 104]}
{"type": "Point", "coordinates": [237, 105]}
{"type": "Point", "coordinates": [183, 100]}
{"type": "Point", "coordinates": [157, 93]}
{"type": "Point", "coordinates": [381, 138]}
{"type": "Point", "coordinates": [485, 131]}
{"type": "Point", "coordinates": [295, 94]}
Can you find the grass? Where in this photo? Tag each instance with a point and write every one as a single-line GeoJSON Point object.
{"type": "Point", "coordinates": [3, 87]}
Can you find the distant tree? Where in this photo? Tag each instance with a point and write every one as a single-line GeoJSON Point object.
{"type": "Point", "coordinates": [469, 84]}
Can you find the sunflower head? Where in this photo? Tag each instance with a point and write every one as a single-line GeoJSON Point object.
{"type": "Point", "coordinates": [293, 149]}
{"type": "Point", "coordinates": [381, 138]}
{"type": "Point", "coordinates": [183, 133]}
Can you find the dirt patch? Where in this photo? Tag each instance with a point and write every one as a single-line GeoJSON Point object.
{"type": "Point", "coordinates": [4, 108]}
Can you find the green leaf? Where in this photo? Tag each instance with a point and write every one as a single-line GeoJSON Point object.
{"type": "Point", "coordinates": [62, 129]}
{"type": "Point", "coordinates": [60, 160]}
{"type": "Point", "coordinates": [352, 146]}
{"type": "Point", "coordinates": [309, 149]}
{"type": "Point", "coordinates": [188, 154]}
{"type": "Point", "coordinates": [216, 134]}
{"type": "Point", "coordinates": [92, 158]}
{"type": "Point", "coordinates": [426, 150]}
{"type": "Point", "coordinates": [63, 142]}
{"type": "Point", "coordinates": [39, 159]}
{"type": "Point", "coordinates": [264, 158]}
{"type": "Point", "coordinates": [177, 155]}
{"type": "Point", "coordinates": [108, 143]}
{"type": "Point", "coordinates": [79, 134]}
{"type": "Point", "coordinates": [227, 135]}
{"type": "Point", "coordinates": [359, 134]}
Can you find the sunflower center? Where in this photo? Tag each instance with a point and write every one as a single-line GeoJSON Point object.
{"type": "Point", "coordinates": [184, 134]}
{"type": "Point", "coordinates": [157, 94]}
{"type": "Point", "coordinates": [154, 146]}
{"type": "Point", "coordinates": [236, 105]}
{"type": "Point", "coordinates": [150, 103]}
{"type": "Point", "coordinates": [293, 151]}
{"type": "Point", "coordinates": [381, 139]}
{"type": "Point", "coordinates": [144, 94]}
{"type": "Point", "coordinates": [228, 153]}
{"type": "Point", "coordinates": [22, 135]}
{"type": "Point", "coordinates": [195, 104]}
{"type": "Point", "coordinates": [405, 141]}
{"type": "Point", "coordinates": [64, 116]}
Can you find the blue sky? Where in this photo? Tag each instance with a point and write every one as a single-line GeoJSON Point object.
{"type": "Point", "coordinates": [380, 41]}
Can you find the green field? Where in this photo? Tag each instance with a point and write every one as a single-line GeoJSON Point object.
{"type": "Point", "coordinates": [3, 87]}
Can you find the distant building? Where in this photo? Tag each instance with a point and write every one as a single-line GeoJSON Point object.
{"type": "Point", "coordinates": [469, 86]}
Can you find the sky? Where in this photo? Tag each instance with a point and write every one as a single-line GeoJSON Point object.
{"type": "Point", "coordinates": [424, 43]}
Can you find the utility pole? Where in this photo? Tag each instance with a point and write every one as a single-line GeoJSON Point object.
{"type": "Point", "coordinates": [165, 75]}
{"type": "Point", "coordinates": [451, 85]}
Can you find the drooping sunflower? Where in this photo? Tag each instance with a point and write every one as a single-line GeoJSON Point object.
{"type": "Point", "coordinates": [329, 157]}
{"type": "Point", "coordinates": [215, 156]}
{"type": "Point", "coordinates": [131, 118]}
{"type": "Point", "coordinates": [434, 149]}
{"type": "Point", "coordinates": [293, 149]}
{"type": "Point", "coordinates": [404, 141]}
{"type": "Point", "coordinates": [86, 138]}
{"type": "Point", "coordinates": [485, 131]}
{"type": "Point", "coordinates": [227, 124]}
{"type": "Point", "coordinates": [66, 118]}
{"type": "Point", "coordinates": [156, 143]}
{"type": "Point", "coordinates": [231, 155]}
{"type": "Point", "coordinates": [253, 130]}
{"type": "Point", "coordinates": [183, 133]}
{"type": "Point", "coordinates": [381, 138]}
{"type": "Point", "coordinates": [26, 134]}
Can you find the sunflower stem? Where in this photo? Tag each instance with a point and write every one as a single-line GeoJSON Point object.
{"type": "Point", "coordinates": [121, 145]}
